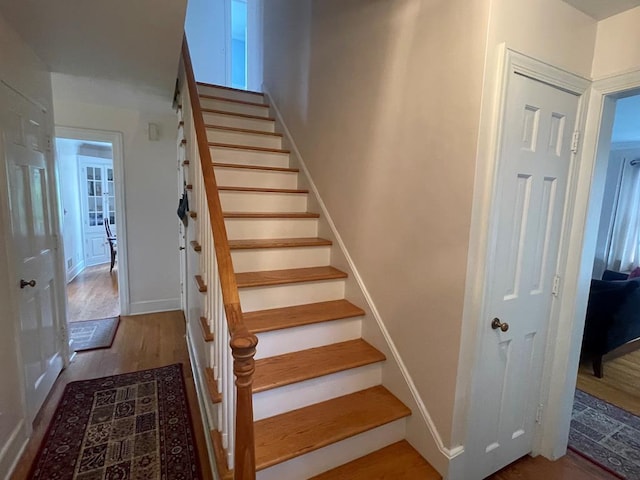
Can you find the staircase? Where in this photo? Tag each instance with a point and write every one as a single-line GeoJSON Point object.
{"type": "Point", "coordinates": [320, 409]}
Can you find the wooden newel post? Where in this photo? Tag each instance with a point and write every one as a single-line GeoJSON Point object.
{"type": "Point", "coordinates": [243, 347]}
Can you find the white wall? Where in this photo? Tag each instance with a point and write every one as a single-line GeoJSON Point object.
{"type": "Point", "coordinates": [20, 68]}
{"type": "Point", "coordinates": [149, 178]}
{"type": "Point", "coordinates": [67, 161]}
{"type": "Point", "coordinates": [617, 47]}
{"type": "Point", "coordinates": [382, 99]}
{"type": "Point", "coordinates": [209, 35]}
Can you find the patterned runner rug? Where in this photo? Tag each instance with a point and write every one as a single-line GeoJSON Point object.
{"type": "Point", "coordinates": [132, 426]}
{"type": "Point", "coordinates": [606, 435]}
{"type": "Point", "coordinates": [93, 334]}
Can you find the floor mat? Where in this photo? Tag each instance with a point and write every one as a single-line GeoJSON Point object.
{"type": "Point", "coordinates": [606, 435]}
{"type": "Point", "coordinates": [92, 334]}
{"type": "Point", "coordinates": [131, 426]}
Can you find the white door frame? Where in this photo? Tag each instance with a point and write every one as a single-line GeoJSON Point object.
{"type": "Point", "coordinates": [481, 268]}
{"type": "Point", "coordinates": [115, 138]}
{"type": "Point", "coordinates": [579, 248]}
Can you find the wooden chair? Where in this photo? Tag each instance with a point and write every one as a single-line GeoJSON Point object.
{"type": "Point", "coordinates": [113, 244]}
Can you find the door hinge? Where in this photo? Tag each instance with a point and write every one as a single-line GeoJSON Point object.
{"type": "Point", "coordinates": [555, 289]}
{"type": "Point", "coordinates": [539, 413]}
{"type": "Point", "coordinates": [575, 140]}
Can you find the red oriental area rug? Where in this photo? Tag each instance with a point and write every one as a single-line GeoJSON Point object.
{"type": "Point", "coordinates": [131, 426]}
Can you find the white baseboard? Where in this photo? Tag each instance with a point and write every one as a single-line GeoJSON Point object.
{"type": "Point", "coordinates": [154, 306]}
{"type": "Point", "coordinates": [75, 271]}
{"type": "Point", "coordinates": [433, 447]}
{"type": "Point", "coordinates": [12, 450]}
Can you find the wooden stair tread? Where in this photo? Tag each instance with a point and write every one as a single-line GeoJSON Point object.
{"type": "Point", "coordinates": [262, 190]}
{"type": "Point", "coordinates": [205, 84]}
{"type": "Point", "coordinates": [278, 243]}
{"type": "Point", "coordinates": [242, 130]}
{"type": "Point", "coordinates": [398, 461]}
{"type": "Point", "coordinates": [271, 215]}
{"type": "Point", "coordinates": [202, 287]}
{"type": "Point", "coordinates": [255, 167]}
{"type": "Point", "coordinates": [300, 431]}
{"type": "Point", "coordinates": [249, 147]}
{"type": "Point", "coordinates": [212, 386]}
{"type": "Point", "coordinates": [290, 275]}
{"type": "Point", "coordinates": [274, 372]}
{"type": "Point", "coordinates": [220, 456]}
{"type": "Point", "coordinates": [206, 331]}
{"type": "Point", "coordinates": [234, 114]}
{"type": "Point", "coordinates": [232, 100]}
{"type": "Point", "coordinates": [289, 317]}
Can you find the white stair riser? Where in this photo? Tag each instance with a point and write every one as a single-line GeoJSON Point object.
{"type": "Point", "coordinates": [246, 177]}
{"type": "Point", "coordinates": [249, 157]}
{"type": "Point", "coordinates": [262, 298]}
{"type": "Point", "coordinates": [336, 454]}
{"type": "Point", "coordinates": [302, 394]}
{"type": "Point", "coordinates": [247, 228]}
{"type": "Point", "coordinates": [304, 337]}
{"type": "Point", "coordinates": [252, 260]}
{"type": "Point", "coordinates": [263, 201]}
{"type": "Point", "coordinates": [231, 94]}
{"type": "Point", "coordinates": [243, 138]}
{"type": "Point", "coordinates": [238, 122]}
{"type": "Point", "coordinates": [234, 107]}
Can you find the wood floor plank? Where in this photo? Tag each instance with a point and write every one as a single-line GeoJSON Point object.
{"type": "Point", "coordinates": [619, 385]}
{"type": "Point", "coordinates": [290, 275]}
{"type": "Point", "coordinates": [278, 243]}
{"type": "Point", "coordinates": [234, 114]}
{"type": "Point", "coordinates": [569, 467]}
{"type": "Point", "coordinates": [295, 433]}
{"type": "Point", "coordinates": [399, 461]}
{"type": "Point", "coordinates": [274, 372]}
{"type": "Point", "coordinates": [93, 294]}
{"type": "Point", "coordinates": [289, 317]}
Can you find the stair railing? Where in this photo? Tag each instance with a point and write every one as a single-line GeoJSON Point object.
{"type": "Point", "coordinates": [234, 346]}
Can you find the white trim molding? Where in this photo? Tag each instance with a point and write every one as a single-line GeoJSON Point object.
{"type": "Point", "coordinates": [447, 454]}
{"type": "Point", "coordinates": [115, 139]}
{"type": "Point", "coordinates": [579, 249]}
{"type": "Point", "coordinates": [154, 306]}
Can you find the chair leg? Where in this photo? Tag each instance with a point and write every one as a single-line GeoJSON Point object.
{"type": "Point", "coordinates": [113, 260]}
{"type": "Point", "coordinates": [597, 367]}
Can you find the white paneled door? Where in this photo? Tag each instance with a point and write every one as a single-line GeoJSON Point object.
{"type": "Point", "coordinates": [33, 248]}
{"type": "Point", "coordinates": [98, 205]}
{"type": "Point", "coordinates": [533, 170]}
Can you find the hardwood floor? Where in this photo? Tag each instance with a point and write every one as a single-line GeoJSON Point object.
{"type": "Point", "coordinates": [93, 294]}
{"type": "Point", "coordinates": [143, 341]}
{"type": "Point", "coordinates": [620, 384]}
{"type": "Point", "coordinates": [569, 467]}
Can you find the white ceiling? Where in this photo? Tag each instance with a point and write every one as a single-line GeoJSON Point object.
{"type": "Point", "coordinates": [601, 9]}
{"type": "Point", "coordinates": [131, 41]}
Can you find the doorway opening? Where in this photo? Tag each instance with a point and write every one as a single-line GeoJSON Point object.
{"type": "Point", "coordinates": [90, 169]}
{"type": "Point", "coordinates": [610, 355]}
{"type": "Point", "coordinates": [87, 186]}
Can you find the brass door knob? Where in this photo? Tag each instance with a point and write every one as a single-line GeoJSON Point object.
{"type": "Point", "coordinates": [24, 283]}
{"type": "Point", "coordinates": [496, 323]}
